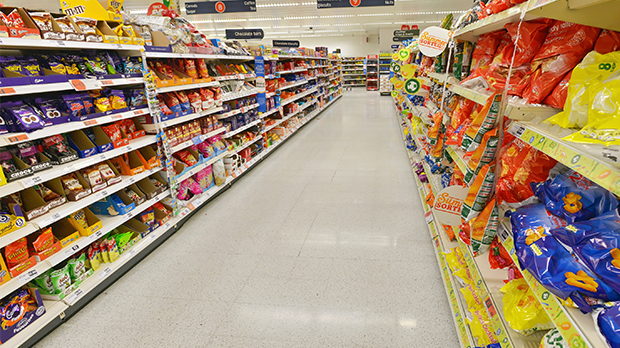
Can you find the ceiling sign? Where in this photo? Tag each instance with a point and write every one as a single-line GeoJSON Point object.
{"type": "Point", "coordinates": [352, 3]}
{"type": "Point", "coordinates": [285, 43]}
{"type": "Point", "coordinates": [401, 39]}
{"type": "Point", "coordinates": [200, 7]}
{"type": "Point", "coordinates": [406, 33]}
{"type": "Point", "coordinates": [434, 41]}
{"type": "Point", "coordinates": [244, 34]}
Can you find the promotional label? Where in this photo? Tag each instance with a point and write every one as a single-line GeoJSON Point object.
{"type": "Point", "coordinates": [434, 41]}
{"type": "Point", "coordinates": [285, 43]}
{"type": "Point", "coordinates": [352, 3]}
{"type": "Point", "coordinates": [244, 34]}
{"type": "Point", "coordinates": [156, 9]}
{"type": "Point", "coordinates": [448, 204]}
{"type": "Point", "coordinates": [408, 70]}
{"type": "Point", "coordinates": [200, 7]}
{"type": "Point", "coordinates": [412, 86]}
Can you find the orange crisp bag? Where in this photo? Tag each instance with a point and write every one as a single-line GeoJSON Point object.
{"type": "Point", "coordinates": [484, 228]}
{"type": "Point", "coordinates": [483, 121]}
{"type": "Point", "coordinates": [484, 154]}
{"type": "Point", "coordinates": [479, 192]}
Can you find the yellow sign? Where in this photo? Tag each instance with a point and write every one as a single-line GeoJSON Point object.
{"type": "Point", "coordinates": [408, 70]}
{"type": "Point", "coordinates": [93, 9]}
{"type": "Point", "coordinates": [395, 56]}
{"type": "Point", "coordinates": [399, 85]}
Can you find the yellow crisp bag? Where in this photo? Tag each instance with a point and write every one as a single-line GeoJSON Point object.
{"type": "Point", "coordinates": [474, 302]}
{"type": "Point", "coordinates": [603, 117]}
{"type": "Point", "coordinates": [463, 277]}
{"type": "Point", "coordinates": [522, 310]}
{"type": "Point", "coordinates": [454, 260]}
{"type": "Point", "coordinates": [586, 80]}
{"type": "Point", "coordinates": [481, 328]}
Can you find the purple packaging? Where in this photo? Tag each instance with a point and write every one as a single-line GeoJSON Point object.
{"type": "Point", "coordinates": [23, 118]}
{"type": "Point", "coordinates": [77, 111]}
{"type": "Point", "coordinates": [30, 66]}
{"type": "Point", "coordinates": [51, 110]}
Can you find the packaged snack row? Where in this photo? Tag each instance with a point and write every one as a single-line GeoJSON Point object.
{"type": "Point", "coordinates": [182, 103]}
{"type": "Point", "coordinates": [30, 114]}
{"type": "Point", "coordinates": [220, 69]}
{"type": "Point", "coordinates": [188, 159]}
{"type": "Point", "coordinates": [190, 130]}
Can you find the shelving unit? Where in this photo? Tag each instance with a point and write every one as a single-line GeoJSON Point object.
{"type": "Point", "coordinates": [385, 59]}
{"type": "Point", "coordinates": [354, 72]}
{"type": "Point", "coordinates": [372, 72]}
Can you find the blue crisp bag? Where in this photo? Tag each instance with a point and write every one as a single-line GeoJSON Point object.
{"type": "Point", "coordinates": [550, 263]}
{"type": "Point", "coordinates": [597, 244]}
{"type": "Point", "coordinates": [574, 197]}
{"type": "Point", "coordinates": [608, 322]}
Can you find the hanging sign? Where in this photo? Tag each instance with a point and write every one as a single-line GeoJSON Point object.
{"type": "Point", "coordinates": [399, 84]}
{"type": "Point", "coordinates": [352, 3]}
{"type": "Point", "coordinates": [406, 33]}
{"type": "Point", "coordinates": [156, 9]}
{"type": "Point", "coordinates": [401, 39]}
{"type": "Point", "coordinates": [244, 34]}
{"type": "Point", "coordinates": [285, 43]}
{"type": "Point", "coordinates": [404, 54]}
{"type": "Point", "coordinates": [434, 41]}
{"type": "Point", "coordinates": [394, 94]}
{"type": "Point", "coordinates": [200, 7]}
{"type": "Point", "coordinates": [448, 204]}
{"type": "Point", "coordinates": [395, 46]}
{"type": "Point", "coordinates": [395, 67]}
{"type": "Point", "coordinates": [92, 9]}
{"type": "Point", "coordinates": [412, 86]}
{"type": "Point", "coordinates": [408, 70]}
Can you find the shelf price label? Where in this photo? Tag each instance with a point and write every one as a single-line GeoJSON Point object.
{"type": "Point", "coordinates": [106, 272]}
{"type": "Point", "coordinates": [85, 84]}
{"type": "Point", "coordinates": [27, 276]}
{"type": "Point", "coordinates": [74, 296]}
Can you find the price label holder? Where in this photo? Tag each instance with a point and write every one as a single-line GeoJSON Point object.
{"type": "Point", "coordinates": [27, 276]}
{"type": "Point", "coordinates": [428, 217]}
{"type": "Point", "coordinates": [85, 84]}
{"type": "Point", "coordinates": [106, 272]}
{"type": "Point", "coordinates": [27, 182]}
{"type": "Point", "coordinates": [74, 296]}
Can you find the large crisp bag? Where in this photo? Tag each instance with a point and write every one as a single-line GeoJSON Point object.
{"type": "Point", "coordinates": [608, 41]}
{"type": "Point", "coordinates": [565, 46]}
{"type": "Point", "coordinates": [597, 244]}
{"type": "Point", "coordinates": [484, 154]}
{"type": "Point", "coordinates": [586, 80]}
{"type": "Point", "coordinates": [574, 197]}
{"type": "Point", "coordinates": [479, 192]}
{"type": "Point", "coordinates": [607, 321]}
{"type": "Point", "coordinates": [521, 165]}
{"type": "Point", "coordinates": [603, 126]}
{"type": "Point", "coordinates": [483, 121]}
{"type": "Point", "coordinates": [485, 49]}
{"type": "Point", "coordinates": [484, 228]}
{"type": "Point", "coordinates": [550, 263]}
{"type": "Point", "coordinates": [522, 310]}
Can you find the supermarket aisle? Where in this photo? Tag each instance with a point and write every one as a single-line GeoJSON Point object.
{"type": "Point", "coordinates": [322, 245]}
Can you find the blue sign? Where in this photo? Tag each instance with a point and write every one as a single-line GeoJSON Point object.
{"type": "Point", "coordinates": [395, 47]}
{"type": "Point", "coordinates": [259, 70]}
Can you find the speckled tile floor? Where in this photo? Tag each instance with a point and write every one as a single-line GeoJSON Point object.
{"type": "Point", "coordinates": [324, 244]}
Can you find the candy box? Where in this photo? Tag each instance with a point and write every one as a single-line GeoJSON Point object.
{"type": "Point", "coordinates": [56, 186]}
{"type": "Point", "coordinates": [102, 141]}
{"type": "Point", "coordinates": [23, 169]}
{"type": "Point", "coordinates": [17, 257]}
{"type": "Point", "coordinates": [43, 244]}
{"type": "Point", "coordinates": [19, 312]}
{"type": "Point", "coordinates": [124, 36]}
{"type": "Point", "coordinates": [117, 178]}
{"type": "Point", "coordinates": [141, 197]}
{"type": "Point", "coordinates": [74, 194]}
{"type": "Point", "coordinates": [148, 156]}
{"type": "Point", "coordinates": [11, 221]}
{"type": "Point", "coordinates": [67, 21]}
{"type": "Point", "coordinates": [81, 144]}
{"type": "Point", "coordinates": [48, 27]}
{"type": "Point", "coordinates": [138, 226]}
{"type": "Point", "coordinates": [58, 150]}
{"type": "Point", "coordinates": [127, 236]}
{"type": "Point", "coordinates": [93, 224]}
{"type": "Point", "coordinates": [29, 32]}
{"type": "Point", "coordinates": [129, 163]}
{"type": "Point", "coordinates": [146, 186]}
{"type": "Point", "coordinates": [113, 205]}
{"type": "Point", "coordinates": [108, 35]}
{"type": "Point", "coordinates": [33, 205]}
{"type": "Point", "coordinates": [65, 232]}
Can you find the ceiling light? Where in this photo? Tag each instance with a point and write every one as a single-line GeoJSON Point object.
{"type": "Point", "coordinates": [207, 29]}
{"type": "Point", "coordinates": [229, 20]}
{"type": "Point", "coordinates": [344, 24]}
{"type": "Point", "coordinates": [263, 19]}
{"type": "Point", "coordinates": [376, 14]}
{"type": "Point", "coordinates": [201, 21]}
{"type": "Point", "coordinates": [286, 26]}
{"type": "Point", "coordinates": [338, 16]}
{"type": "Point", "coordinates": [380, 23]}
{"type": "Point", "coordinates": [302, 17]}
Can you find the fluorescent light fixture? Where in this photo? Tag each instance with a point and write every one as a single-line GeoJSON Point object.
{"type": "Point", "coordinates": [201, 21]}
{"type": "Point", "coordinates": [286, 26]}
{"type": "Point", "coordinates": [229, 20]}
{"type": "Point", "coordinates": [263, 19]}
{"type": "Point", "coordinates": [338, 16]}
{"type": "Point", "coordinates": [302, 17]}
{"type": "Point", "coordinates": [379, 23]}
{"type": "Point", "coordinates": [378, 14]}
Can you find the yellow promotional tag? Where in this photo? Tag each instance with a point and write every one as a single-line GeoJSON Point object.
{"type": "Point", "coordinates": [393, 79]}
{"type": "Point", "coordinates": [404, 54]}
{"type": "Point", "coordinates": [412, 86]}
{"type": "Point", "coordinates": [394, 94]}
{"type": "Point", "coordinates": [399, 85]}
{"type": "Point", "coordinates": [395, 56]}
{"type": "Point", "coordinates": [408, 70]}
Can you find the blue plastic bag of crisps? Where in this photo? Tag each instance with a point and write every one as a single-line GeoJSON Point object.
{"type": "Point", "coordinates": [596, 243]}
{"type": "Point", "coordinates": [608, 322]}
{"type": "Point", "coordinates": [550, 263]}
{"type": "Point", "coordinates": [574, 197]}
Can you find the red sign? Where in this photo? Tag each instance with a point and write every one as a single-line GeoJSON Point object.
{"type": "Point", "coordinates": [220, 7]}
{"type": "Point", "coordinates": [156, 9]}
{"type": "Point", "coordinates": [414, 26]}
{"type": "Point", "coordinates": [355, 3]}
{"type": "Point", "coordinates": [404, 27]}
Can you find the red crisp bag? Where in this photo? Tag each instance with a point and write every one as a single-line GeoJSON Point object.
{"type": "Point", "coordinates": [565, 46]}
{"type": "Point", "coordinates": [485, 49]}
{"type": "Point", "coordinates": [557, 98]}
{"type": "Point", "coordinates": [528, 40]}
{"type": "Point", "coordinates": [499, 257]}
{"type": "Point", "coordinates": [521, 165]}
{"type": "Point", "coordinates": [608, 41]}
{"type": "Point", "coordinates": [497, 6]}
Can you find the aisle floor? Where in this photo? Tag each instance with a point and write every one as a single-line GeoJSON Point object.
{"type": "Point", "coordinates": [324, 244]}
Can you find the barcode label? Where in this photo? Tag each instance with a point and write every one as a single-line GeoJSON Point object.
{"type": "Point", "coordinates": [27, 276]}
{"type": "Point", "coordinates": [74, 296]}
{"type": "Point", "coordinates": [517, 130]}
{"type": "Point", "coordinates": [503, 233]}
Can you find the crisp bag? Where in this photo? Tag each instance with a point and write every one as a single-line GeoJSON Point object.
{"type": "Point", "coordinates": [603, 126]}
{"type": "Point", "coordinates": [521, 166]}
{"type": "Point", "coordinates": [479, 192]}
{"type": "Point", "coordinates": [522, 310]}
{"type": "Point", "coordinates": [484, 154]}
{"type": "Point", "coordinates": [483, 121]}
{"type": "Point", "coordinates": [586, 80]}
{"type": "Point", "coordinates": [550, 263]}
{"type": "Point", "coordinates": [485, 49]}
{"type": "Point", "coordinates": [484, 228]}
{"type": "Point", "coordinates": [574, 197]}
{"type": "Point", "coordinates": [564, 47]}
{"type": "Point", "coordinates": [607, 321]}
{"type": "Point", "coordinates": [553, 339]}
{"type": "Point", "coordinates": [608, 41]}
{"type": "Point", "coordinates": [596, 243]}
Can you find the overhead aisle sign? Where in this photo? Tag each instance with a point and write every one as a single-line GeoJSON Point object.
{"type": "Point", "coordinates": [285, 43]}
{"type": "Point", "coordinates": [244, 34]}
{"type": "Point", "coordinates": [201, 7]}
{"type": "Point", "coordinates": [352, 3]}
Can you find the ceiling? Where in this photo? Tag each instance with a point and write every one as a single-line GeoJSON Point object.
{"type": "Point", "coordinates": [294, 18]}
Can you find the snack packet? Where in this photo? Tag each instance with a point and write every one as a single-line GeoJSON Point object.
{"type": "Point", "coordinates": [479, 192]}
{"type": "Point", "coordinates": [16, 252]}
{"type": "Point", "coordinates": [77, 267]}
{"type": "Point", "coordinates": [607, 320]}
{"type": "Point", "coordinates": [484, 227]}
{"type": "Point", "coordinates": [484, 120]}
{"type": "Point", "coordinates": [61, 279]}
{"type": "Point", "coordinates": [522, 310]}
